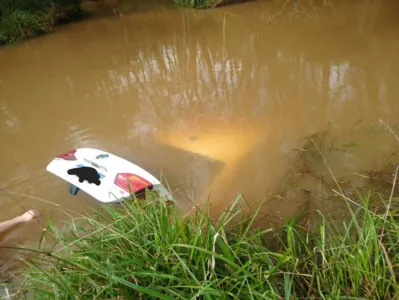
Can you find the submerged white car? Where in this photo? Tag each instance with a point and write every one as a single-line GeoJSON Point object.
{"type": "Point", "coordinates": [106, 177]}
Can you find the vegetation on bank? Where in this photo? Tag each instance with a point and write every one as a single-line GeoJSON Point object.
{"type": "Point", "coordinates": [200, 4]}
{"type": "Point", "coordinates": [144, 250]}
{"type": "Point", "coordinates": [22, 19]}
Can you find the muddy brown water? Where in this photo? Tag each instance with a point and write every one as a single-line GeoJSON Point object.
{"type": "Point", "coordinates": [216, 100]}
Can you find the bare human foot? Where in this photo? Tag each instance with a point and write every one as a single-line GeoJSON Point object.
{"type": "Point", "coordinates": [26, 217]}
{"type": "Point", "coordinates": [29, 215]}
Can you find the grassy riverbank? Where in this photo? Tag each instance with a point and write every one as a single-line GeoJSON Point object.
{"type": "Point", "coordinates": [145, 250]}
{"type": "Point", "coordinates": [25, 19]}
{"type": "Point", "coordinates": [205, 4]}
{"type": "Point", "coordinates": [22, 19]}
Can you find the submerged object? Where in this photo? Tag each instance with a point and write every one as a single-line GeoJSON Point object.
{"type": "Point", "coordinates": [216, 141]}
{"type": "Point", "coordinates": [104, 176]}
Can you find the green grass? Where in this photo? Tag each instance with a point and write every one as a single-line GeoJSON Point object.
{"type": "Point", "coordinates": [22, 19]}
{"type": "Point", "coordinates": [145, 250]}
{"type": "Point", "coordinates": [20, 25]}
{"type": "Point", "coordinates": [195, 3]}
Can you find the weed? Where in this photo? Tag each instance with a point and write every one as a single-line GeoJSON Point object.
{"type": "Point", "coordinates": [145, 249]}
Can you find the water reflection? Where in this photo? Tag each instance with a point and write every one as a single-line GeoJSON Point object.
{"type": "Point", "coordinates": [214, 85]}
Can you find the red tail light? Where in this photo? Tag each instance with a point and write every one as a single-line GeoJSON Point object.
{"type": "Point", "coordinates": [131, 183]}
{"type": "Point", "coordinates": [69, 155]}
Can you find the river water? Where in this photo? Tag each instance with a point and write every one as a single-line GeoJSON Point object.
{"type": "Point", "coordinates": [216, 101]}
